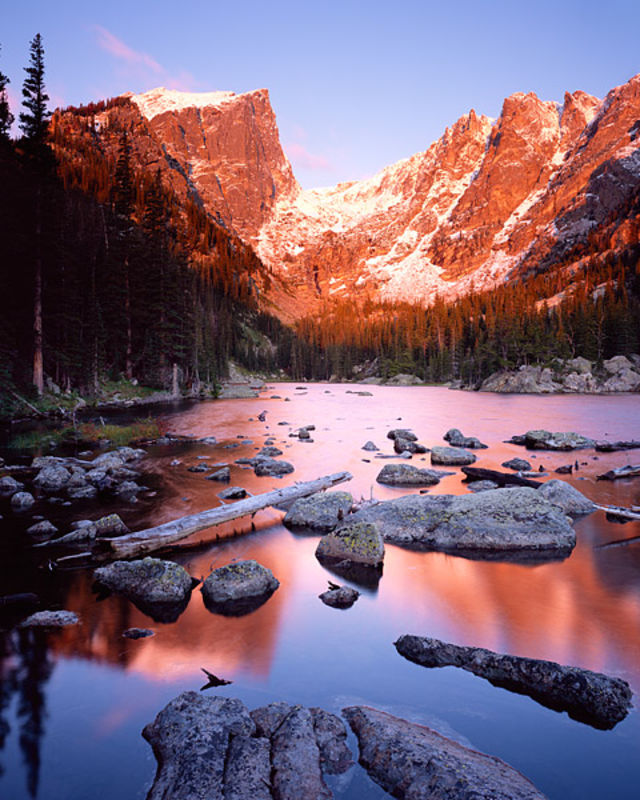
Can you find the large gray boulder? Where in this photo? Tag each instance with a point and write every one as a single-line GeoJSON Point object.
{"type": "Point", "coordinates": [213, 748]}
{"type": "Point", "coordinates": [407, 475]}
{"type": "Point", "coordinates": [238, 588]}
{"type": "Point", "coordinates": [451, 456]}
{"type": "Point", "coordinates": [353, 543]}
{"type": "Point", "coordinates": [590, 697]}
{"type": "Point", "coordinates": [515, 524]}
{"type": "Point", "coordinates": [158, 588]}
{"type": "Point", "coordinates": [566, 497]}
{"type": "Point", "coordinates": [414, 762]}
{"type": "Point", "coordinates": [626, 380]}
{"type": "Point", "coordinates": [320, 512]}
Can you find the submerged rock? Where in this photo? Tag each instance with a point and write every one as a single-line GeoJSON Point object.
{"type": "Point", "coordinates": [50, 619]}
{"type": "Point", "coordinates": [320, 512]}
{"type": "Point", "coordinates": [590, 697]}
{"type": "Point", "coordinates": [451, 456]}
{"type": "Point", "coordinates": [518, 524]}
{"type": "Point", "coordinates": [238, 588]}
{"type": "Point", "coordinates": [355, 543]}
{"type": "Point", "coordinates": [413, 762]}
{"type": "Point", "coordinates": [407, 475]}
{"type": "Point", "coordinates": [158, 588]}
{"type": "Point", "coordinates": [212, 747]}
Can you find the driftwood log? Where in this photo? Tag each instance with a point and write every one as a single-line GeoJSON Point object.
{"type": "Point", "coordinates": [621, 512]}
{"type": "Point", "coordinates": [628, 471]}
{"type": "Point", "coordinates": [501, 478]}
{"type": "Point", "coordinates": [142, 542]}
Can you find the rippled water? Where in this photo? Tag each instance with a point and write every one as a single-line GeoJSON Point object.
{"type": "Point", "coordinates": [75, 701]}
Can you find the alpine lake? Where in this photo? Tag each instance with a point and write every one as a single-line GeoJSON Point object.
{"type": "Point", "coordinates": [73, 702]}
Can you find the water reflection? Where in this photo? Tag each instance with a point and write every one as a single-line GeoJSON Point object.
{"type": "Point", "coordinates": [583, 611]}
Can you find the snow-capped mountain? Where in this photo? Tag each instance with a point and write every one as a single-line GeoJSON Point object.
{"type": "Point", "coordinates": [487, 201]}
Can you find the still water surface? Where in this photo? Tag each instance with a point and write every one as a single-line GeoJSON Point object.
{"type": "Point", "coordinates": [73, 703]}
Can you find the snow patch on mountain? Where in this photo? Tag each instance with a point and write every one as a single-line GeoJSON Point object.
{"type": "Point", "coordinates": [160, 100]}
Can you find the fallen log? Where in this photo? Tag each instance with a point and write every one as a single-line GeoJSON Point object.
{"type": "Point", "coordinates": [628, 471]}
{"type": "Point", "coordinates": [620, 512]}
{"type": "Point", "coordinates": [147, 541]}
{"type": "Point", "coordinates": [612, 447]}
{"type": "Point", "coordinates": [501, 478]}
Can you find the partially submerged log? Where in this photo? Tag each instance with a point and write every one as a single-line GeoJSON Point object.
{"type": "Point", "coordinates": [147, 541]}
{"type": "Point", "coordinates": [628, 471]}
{"type": "Point", "coordinates": [620, 512]}
{"type": "Point", "coordinates": [612, 447]}
{"type": "Point", "coordinates": [501, 478]}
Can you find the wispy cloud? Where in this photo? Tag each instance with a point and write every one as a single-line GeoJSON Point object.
{"type": "Point", "coordinates": [138, 66]}
{"type": "Point", "coordinates": [302, 158]}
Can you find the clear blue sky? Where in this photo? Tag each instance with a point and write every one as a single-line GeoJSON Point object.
{"type": "Point", "coordinates": [355, 85]}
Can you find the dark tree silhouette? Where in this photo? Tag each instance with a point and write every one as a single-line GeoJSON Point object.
{"type": "Point", "coordinates": [6, 117]}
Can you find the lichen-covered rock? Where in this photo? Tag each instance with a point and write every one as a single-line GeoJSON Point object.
{"type": "Point", "coordinates": [320, 512]}
{"type": "Point", "coordinates": [357, 542]}
{"type": "Point", "coordinates": [52, 478]}
{"type": "Point", "coordinates": [587, 696]}
{"type": "Point", "coordinates": [457, 439]}
{"type": "Point", "coordinates": [213, 748]}
{"type": "Point", "coordinates": [238, 588]}
{"type": "Point", "coordinates": [159, 588]}
{"type": "Point", "coordinates": [451, 456]}
{"type": "Point", "coordinates": [50, 619]}
{"type": "Point", "coordinates": [566, 497]}
{"type": "Point", "coordinates": [518, 524]}
{"type": "Point", "coordinates": [407, 475]}
{"type": "Point", "coordinates": [413, 762]}
{"type": "Point", "coordinates": [273, 467]}
{"type": "Point", "coordinates": [626, 380]}
{"type": "Point", "coordinates": [190, 739]}
{"type": "Point", "coordinates": [617, 364]}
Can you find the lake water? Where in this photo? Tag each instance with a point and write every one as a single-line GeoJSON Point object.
{"type": "Point", "coordinates": [73, 703]}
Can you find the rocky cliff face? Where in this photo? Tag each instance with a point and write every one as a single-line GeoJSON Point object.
{"type": "Point", "coordinates": [486, 202]}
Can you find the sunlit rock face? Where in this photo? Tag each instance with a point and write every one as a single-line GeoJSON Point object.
{"type": "Point", "coordinates": [487, 201]}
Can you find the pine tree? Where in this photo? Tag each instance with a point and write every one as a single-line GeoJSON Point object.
{"type": "Point", "coordinates": [35, 126]}
{"type": "Point", "coordinates": [34, 122]}
{"type": "Point", "coordinates": [6, 117]}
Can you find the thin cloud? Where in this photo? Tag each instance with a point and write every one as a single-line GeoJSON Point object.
{"type": "Point", "coordinates": [138, 66]}
{"type": "Point", "coordinates": [118, 49]}
{"type": "Point", "coordinates": [303, 159]}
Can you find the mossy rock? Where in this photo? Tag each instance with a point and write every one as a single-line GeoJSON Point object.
{"type": "Point", "coordinates": [320, 512]}
{"type": "Point", "coordinates": [357, 542]}
{"type": "Point", "coordinates": [238, 588]}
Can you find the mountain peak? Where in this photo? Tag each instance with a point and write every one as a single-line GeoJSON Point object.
{"type": "Point", "coordinates": [160, 100]}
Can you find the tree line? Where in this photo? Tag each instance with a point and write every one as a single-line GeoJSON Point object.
{"type": "Point", "coordinates": [105, 272]}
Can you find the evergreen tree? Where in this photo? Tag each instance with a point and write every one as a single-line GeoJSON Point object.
{"type": "Point", "coordinates": [6, 117]}
{"type": "Point", "coordinates": [34, 122]}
